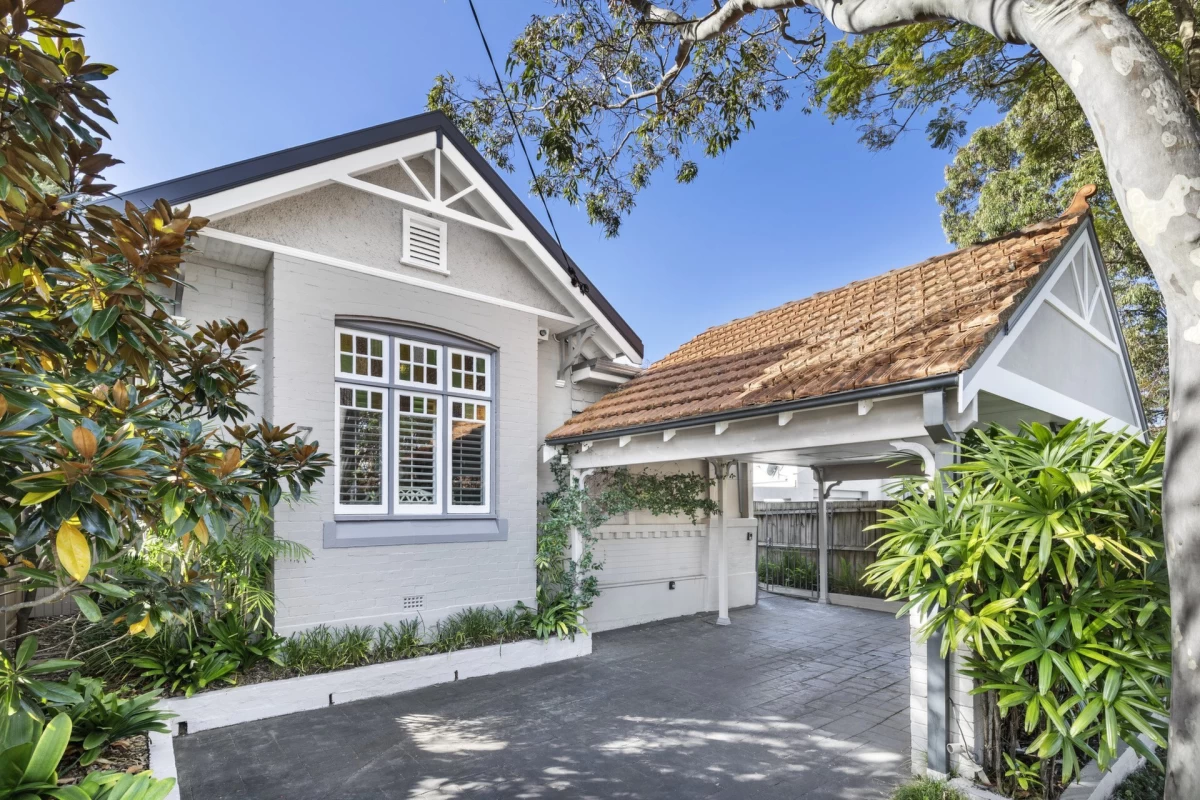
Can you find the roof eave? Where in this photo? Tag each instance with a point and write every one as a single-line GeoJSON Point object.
{"type": "Point", "coordinates": [208, 182]}
{"type": "Point", "coordinates": [916, 386]}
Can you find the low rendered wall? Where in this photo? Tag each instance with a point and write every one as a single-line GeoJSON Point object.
{"type": "Point", "coordinates": [642, 560]}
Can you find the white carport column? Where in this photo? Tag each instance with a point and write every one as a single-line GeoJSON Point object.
{"type": "Point", "coordinates": [578, 478]}
{"type": "Point", "coordinates": [722, 469]}
{"type": "Point", "coordinates": [822, 539]}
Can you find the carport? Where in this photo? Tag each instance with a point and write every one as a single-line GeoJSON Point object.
{"type": "Point", "coordinates": [876, 379]}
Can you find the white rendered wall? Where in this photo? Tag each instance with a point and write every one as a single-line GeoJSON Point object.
{"type": "Point", "coordinates": [366, 585]}
{"type": "Point", "coordinates": [642, 554]}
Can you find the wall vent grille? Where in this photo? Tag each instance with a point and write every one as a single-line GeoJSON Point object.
{"type": "Point", "coordinates": [424, 242]}
{"type": "Point", "coordinates": [414, 601]}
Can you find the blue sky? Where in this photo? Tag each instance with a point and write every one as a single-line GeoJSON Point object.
{"type": "Point", "coordinates": [798, 206]}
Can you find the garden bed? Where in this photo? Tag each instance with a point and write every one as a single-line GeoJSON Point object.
{"type": "Point", "coordinates": [237, 704]}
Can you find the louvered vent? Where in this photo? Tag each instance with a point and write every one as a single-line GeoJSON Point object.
{"type": "Point", "coordinates": [424, 242]}
{"type": "Point", "coordinates": [414, 601]}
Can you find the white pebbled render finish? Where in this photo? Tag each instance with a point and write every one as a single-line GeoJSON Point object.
{"type": "Point", "coordinates": [366, 585]}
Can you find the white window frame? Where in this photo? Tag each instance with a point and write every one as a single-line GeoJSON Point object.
{"type": "Point", "coordinates": [488, 374]}
{"type": "Point", "coordinates": [406, 238]}
{"type": "Point", "coordinates": [441, 365]}
{"type": "Point", "coordinates": [337, 356]}
{"type": "Point", "coordinates": [391, 387]}
{"type": "Point", "coordinates": [410, 509]}
{"type": "Point", "coordinates": [451, 508]}
{"type": "Point", "coordinates": [385, 471]}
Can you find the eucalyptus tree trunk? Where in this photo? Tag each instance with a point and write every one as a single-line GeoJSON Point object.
{"type": "Point", "coordinates": [1150, 143]}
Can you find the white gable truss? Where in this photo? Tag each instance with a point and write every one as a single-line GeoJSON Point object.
{"type": "Point", "coordinates": [456, 184]}
{"type": "Point", "coordinates": [1062, 352]}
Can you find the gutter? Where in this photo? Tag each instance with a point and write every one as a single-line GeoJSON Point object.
{"type": "Point", "coordinates": [935, 383]}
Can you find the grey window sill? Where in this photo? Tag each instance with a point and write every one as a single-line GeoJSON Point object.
{"type": "Point", "coordinates": [382, 532]}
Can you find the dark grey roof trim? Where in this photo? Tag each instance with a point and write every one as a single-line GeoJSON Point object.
{"type": "Point", "coordinates": [934, 383]}
{"type": "Point", "coordinates": [202, 184]}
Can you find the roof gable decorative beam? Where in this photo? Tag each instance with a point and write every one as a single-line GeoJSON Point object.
{"type": "Point", "coordinates": [233, 188]}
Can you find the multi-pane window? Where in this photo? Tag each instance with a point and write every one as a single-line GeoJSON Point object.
{"type": "Point", "coordinates": [417, 363]}
{"type": "Point", "coordinates": [416, 452]}
{"type": "Point", "coordinates": [360, 355]}
{"type": "Point", "coordinates": [409, 442]}
{"type": "Point", "coordinates": [360, 449]}
{"type": "Point", "coordinates": [468, 453]}
{"type": "Point", "coordinates": [468, 372]}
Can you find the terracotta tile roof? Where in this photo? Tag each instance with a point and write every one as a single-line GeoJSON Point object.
{"type": "Point", "coordinates": [929, 319]}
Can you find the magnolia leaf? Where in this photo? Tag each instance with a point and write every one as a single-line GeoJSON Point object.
{"type": "Point", "coordinates": [74, 551]}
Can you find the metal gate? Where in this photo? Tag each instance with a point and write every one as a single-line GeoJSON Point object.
{"type": "Point", "coordinates": [788, 554]}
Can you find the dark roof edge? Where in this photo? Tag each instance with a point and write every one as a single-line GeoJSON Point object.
{"type": "Point", "coordinates": [933, 383]}
{"type": "Point", "coordinates": [218, 179]}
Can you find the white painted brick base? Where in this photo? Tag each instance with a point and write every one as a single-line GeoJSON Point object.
{"type": "Point", "coordinates": [962, 705]}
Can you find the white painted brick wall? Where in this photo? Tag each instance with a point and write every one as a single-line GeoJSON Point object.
{"type": "Point", "coordinates": [962, 704]}
{"type": "Point", "coordinates": [365, 585]}
{"type": "Point", "coordinates": [224, 291]}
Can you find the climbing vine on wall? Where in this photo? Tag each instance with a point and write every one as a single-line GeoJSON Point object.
{"type": "Point", "coordinates": [614, 492]}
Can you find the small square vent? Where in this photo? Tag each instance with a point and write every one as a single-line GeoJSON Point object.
{"type": "Point", "coordinates": [424, 242]}
{"type": "Point", "coordinates": [414, 601]}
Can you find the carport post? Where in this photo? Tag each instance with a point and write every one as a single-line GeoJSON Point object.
{"type": "Point", "coordinates": [822, 538]}
{"type": "Point", "coordinates": [722, 553]}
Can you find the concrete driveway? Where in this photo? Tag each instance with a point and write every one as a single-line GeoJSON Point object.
{"type": "Point", "coordinates": [793, 700]}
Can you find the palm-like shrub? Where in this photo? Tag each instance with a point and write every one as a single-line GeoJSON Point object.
{"type": "Point", "coordinates": [1041, 555]}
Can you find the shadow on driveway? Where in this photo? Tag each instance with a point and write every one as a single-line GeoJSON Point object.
{"type": "Point", "coordinates": [794, 700]}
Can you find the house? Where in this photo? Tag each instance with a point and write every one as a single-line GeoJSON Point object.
{"type": "Point", "coordinates": [427, 330]}
{"type": "Point", "coordinates": [866, 382]}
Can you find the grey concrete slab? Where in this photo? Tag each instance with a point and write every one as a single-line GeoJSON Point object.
{"type": "Point", "coordinates": [793, 700]}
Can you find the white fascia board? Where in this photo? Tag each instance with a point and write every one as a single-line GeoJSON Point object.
{"type": "Point", "coordinates": [277, 187]}
{"type": "Point", "coordinates": [557, 273]}
{"type": "Point", "coordinates": [825, 427]}
{"type": "Point", "coordinates": [986, 371]}
{"type": "Point", "coordinates": [970, 379]}
{"type": "Point", "coordinates": [342, 170]}
{"type": "Point", "coordinates": [595, 376]}
{"type": "Point", "coordinates": [353, 266]}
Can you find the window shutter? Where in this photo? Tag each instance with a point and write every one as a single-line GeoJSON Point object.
{"type": "Point", "coordinates": [424, 242]}
{"type": "Point", "coordinates": [416, 451]}
{"type": "Point", "coordinates": [468, 455]}
{"type": "Point", "coordinates": [360, 436]}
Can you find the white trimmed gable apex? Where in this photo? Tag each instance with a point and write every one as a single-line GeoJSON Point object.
{"type": "Point", "coordinates": [1063, 351]}
{"type": "Point", "coordinates": [456, 191]}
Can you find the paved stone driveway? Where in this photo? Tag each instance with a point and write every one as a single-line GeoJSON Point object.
{"type": "Point", "coordinates": [794, 700]}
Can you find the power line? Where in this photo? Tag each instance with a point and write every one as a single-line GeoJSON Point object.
{"type": "Point", "coordinates": [532, 173]}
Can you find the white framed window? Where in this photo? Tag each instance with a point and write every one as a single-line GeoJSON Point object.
{"type": "Point", "coordinates": [360, 435]}
{"type": "Point", "coordinates": [424, 242]}
{"type": "Point", "coordinates": [418, 363]}
{"type": "Point", "coordinates": [361, 356]}
{"type": "Point", "coordinates": [418, 452]}
{"type": "Point", "coordinates": [414, 423]}
{"type": "Point", "coordinates": [468, 467]}
{"type": "Point", "coordinates": [470, 373]}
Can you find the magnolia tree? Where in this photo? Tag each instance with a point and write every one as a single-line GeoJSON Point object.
{"type": "Point", "coordinates": [613, 90]}
{"type": "Point", "coordinates": [114, 421]}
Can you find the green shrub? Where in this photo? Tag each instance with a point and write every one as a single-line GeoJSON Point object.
{"type": "Point", "coordinates": [23, 689]}
{"type": "Point", "coordinates": [101, 718]}
{"type": "Point", "coordinates": [402, 640]}
{"type": "Point", "coordinates": [1042, 554]}
{"type": "Point", "coordinates": [927, 789]}
{"type": "Point", "coordinates": [31, 755]}
{"type": "Point", "coordinates": [180, 660]}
